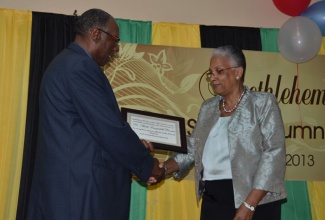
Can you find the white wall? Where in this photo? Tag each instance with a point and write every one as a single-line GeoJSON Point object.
{"type": "Point", "coordinates": [246, 13]}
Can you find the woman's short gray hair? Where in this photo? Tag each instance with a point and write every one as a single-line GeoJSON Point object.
{"type": "Point", "coordinates": [233, 53]}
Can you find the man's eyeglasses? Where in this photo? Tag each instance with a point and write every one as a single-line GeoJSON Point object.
{"type": "Point", "coordinates": [219, 71]}
{"type": "Point", "coordinates": [116, 39]}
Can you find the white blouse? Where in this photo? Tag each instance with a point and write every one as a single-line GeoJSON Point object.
{"type": "Point", "coordinates": [216, 161]}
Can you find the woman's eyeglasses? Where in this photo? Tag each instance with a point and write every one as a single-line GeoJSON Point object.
{"type": "Point", "coordinates": [219, 71]}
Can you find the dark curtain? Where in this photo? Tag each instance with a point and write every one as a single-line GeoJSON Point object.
{"type": "Point", "coordinates": [50, 34]}
{"type": "Point", "coordinates": [245, 38]}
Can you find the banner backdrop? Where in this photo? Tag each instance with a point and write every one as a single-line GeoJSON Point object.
{"type": "Point", "coordinates": [173, 81]}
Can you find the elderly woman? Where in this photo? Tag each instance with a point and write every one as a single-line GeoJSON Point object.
{"type": "Point", "coordinates": [237, 147]}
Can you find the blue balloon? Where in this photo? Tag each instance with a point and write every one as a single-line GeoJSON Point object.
{"type": "Point", "coordinates": [316, 12]}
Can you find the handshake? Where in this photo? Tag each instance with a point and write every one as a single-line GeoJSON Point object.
{"type": "Point", "coordinates": [159, 169]}
{"type": "Point", "coordinates": [157, 175]}
{"type": "Point", "coordinates": [158, 172]}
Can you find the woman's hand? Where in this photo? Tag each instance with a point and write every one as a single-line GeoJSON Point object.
{"type": "Point", "coordinates": [253, 199]}
{"type": "Point", "coordinates": [243, 213]}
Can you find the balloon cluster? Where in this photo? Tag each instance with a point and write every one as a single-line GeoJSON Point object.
{"type": "Point", "coordinates": [300, 38]}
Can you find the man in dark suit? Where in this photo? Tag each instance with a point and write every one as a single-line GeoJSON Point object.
{"type": "Point", "coordinates": [86, 151]}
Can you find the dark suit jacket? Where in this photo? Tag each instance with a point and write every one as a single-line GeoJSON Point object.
{"type": "Point", "coordinates": [86, 150]}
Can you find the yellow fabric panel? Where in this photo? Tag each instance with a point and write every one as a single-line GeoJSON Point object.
{"type": "Point", "coordinates": [322, 47]}
{"type": "Point", "coordinates": [176, 34]}
{"type": "Point", "coordinates": [15, 42]}
{"type": "Point", "coordinates": [316, 192]}
{"type": "Point", "coordinates": [172, 200]}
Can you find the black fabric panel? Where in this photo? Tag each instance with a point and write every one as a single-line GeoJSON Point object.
{"type": "Point", "coordinates": [50, 34]}
{"type": "Point", "coordinates": [246, 38]}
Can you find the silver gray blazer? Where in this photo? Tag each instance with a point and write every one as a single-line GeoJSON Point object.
{"type": "Point", "coordinates": [256, 144]}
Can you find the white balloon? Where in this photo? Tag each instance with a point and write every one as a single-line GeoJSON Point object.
{"type": "Point", "coordinates": [299, 39]}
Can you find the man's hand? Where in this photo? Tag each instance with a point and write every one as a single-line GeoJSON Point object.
{"type": "Point", "coordinates": [148, 145]}
{"type": "Point", "coordinates": [158, 174]}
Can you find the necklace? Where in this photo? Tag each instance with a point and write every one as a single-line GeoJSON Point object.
{"type": "Point", "coordinates": [233, 109]}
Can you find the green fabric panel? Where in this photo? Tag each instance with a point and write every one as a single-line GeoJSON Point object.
{"type": "Point", "coordinates": [296, 206]}
{"type": "Point", "coordinates": [137, 32]}
{"type": "Point", "coordinates": [269, 38]}
{"type": "Point", "coordinates": [138, 201]}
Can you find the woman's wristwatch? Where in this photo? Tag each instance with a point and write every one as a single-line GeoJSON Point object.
{"type": "Point", "coordinates": [250, 207]}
